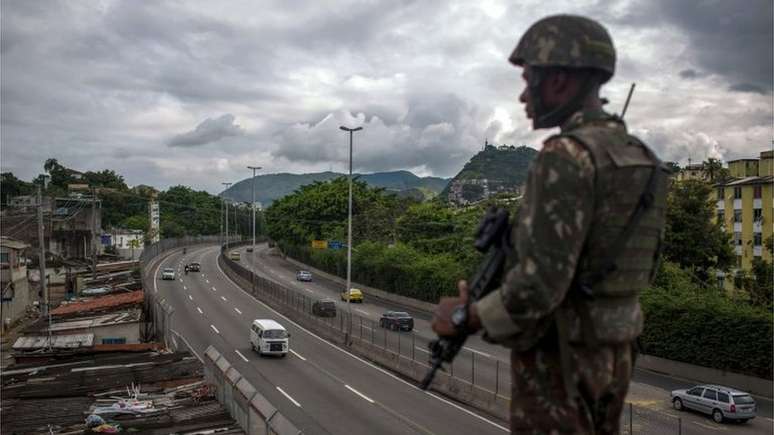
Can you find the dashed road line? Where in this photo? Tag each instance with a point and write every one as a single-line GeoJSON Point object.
{"type": "Point", "coordinates": [309, 290]}
{"type": "Point", "coordinates": [297, 355]}
{"type": "Point", "coordinates": [185, 288]}
{"type": "Point", "coordinates": [361, 311]}
{"type": "Point", "coordinates": [224, 299]}
{"type": "Point", "coordinates": [237, 310]}
{"type": "Point", "coordinates": [478, 352]}
{"type": "Point", "coordinates": [208, 281]}
{"type": "Point", "coordinates": [368, 399]}
{"type": "Point", "coordinates": [200, 310]}
{"type": "Point", "coordinates": [241, 356]}
{"type": "Point", "coordinates": [288, 396]}
{"type": "Point", "coordinates": [421, 349]}
{"type": "Point", "coordinates": [190, 297]}
{"type": "Point", "coordinates": [215, 329]}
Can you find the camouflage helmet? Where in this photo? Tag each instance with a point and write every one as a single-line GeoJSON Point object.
{"type": "Point", "coordinates": [569, 41]}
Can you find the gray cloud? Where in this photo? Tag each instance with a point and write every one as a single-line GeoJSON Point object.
{"type": "Point", "coordinates": [210, 130]}
{"type": "Point", "coordinates": [107, 82]}
{"type": "Point", "coordinates": [731, 39]}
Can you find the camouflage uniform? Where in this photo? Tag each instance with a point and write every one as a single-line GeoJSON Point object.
{"type": "Point", "coordinates": [572, 356]}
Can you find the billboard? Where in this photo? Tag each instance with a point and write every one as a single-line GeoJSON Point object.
{"type": "Point", "coordinates": [154, 222]}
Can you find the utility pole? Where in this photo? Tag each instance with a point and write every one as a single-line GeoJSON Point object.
{"type": "Point", "coordinates": [349, 230]}
{"type": "Point", "coordinates": [42, 261]}
{"type": "Point", "coordinates": [93, 233]}
{"type": "Point", "coordinates": [226, 205]}
{"type": "Point", "coordinates": [252, 205]}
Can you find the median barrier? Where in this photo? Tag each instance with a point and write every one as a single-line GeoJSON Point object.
{"type": "Point", "coordinates": [251, 410]}
{"type": "Point", "coordinates": [297, 308]}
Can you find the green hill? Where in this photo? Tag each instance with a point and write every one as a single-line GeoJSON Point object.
{"type": "Point", "coordinates": [494, 170]}
{"type": "Point", "coordinates": [271, 187]}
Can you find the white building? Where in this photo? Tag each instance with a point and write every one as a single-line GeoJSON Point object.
{"type": "Point", "coordinates": [128, 243]}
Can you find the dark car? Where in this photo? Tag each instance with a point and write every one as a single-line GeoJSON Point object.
{"type": "Point", "coordinates": [324, 308]}
{"type": "Point", "coordinates": [250, 249]}
{"type": "Point", "coordinates": [194, 267]}
{"type": "Point", "coordinates": [397, 321]}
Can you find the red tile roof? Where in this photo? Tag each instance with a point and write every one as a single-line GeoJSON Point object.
{"type": "Point", "coordinates": [104, 303]}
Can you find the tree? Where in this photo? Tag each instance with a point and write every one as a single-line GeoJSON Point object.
{"type": "Point", "coordinates": [692, 239]}
{"type": "Point", "coordinates": [10, 186]}
{"type": "Point", "coordinates": [714, 170]}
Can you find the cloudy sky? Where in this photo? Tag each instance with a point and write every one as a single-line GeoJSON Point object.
{"type": "Point", "coordinates": [190, 92]}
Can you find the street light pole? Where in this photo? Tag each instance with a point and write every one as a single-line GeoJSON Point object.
{"type": "Point", "coordinates": [254, 168]}
{"type": "Point", "coordinates": [226, 207]}
{"type": "Point", "coordinates": [349, 230]}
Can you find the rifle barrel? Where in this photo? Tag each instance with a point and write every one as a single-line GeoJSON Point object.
{"type": "Point", "coordinates": [628, 98]}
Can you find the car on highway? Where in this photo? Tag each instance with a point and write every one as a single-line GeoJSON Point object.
{"type": "Point", "coordinates": [304, 275]}
{"type": "Point", "coordinates": [194, 267]}
{"type": "Point", "coordinates": [268, 337]}
{"type": "Point", "coordinates": [234, 255]}
{"type": "Point", "coordinates": [353, 295]}
{"type": "Point", "coordinates": [722, 403]}
{"type": "Point", "coordinates": [249, 249]}
{"type": "Point", "coordinates": [168, 273]}
{"type": "Point", "coordinates": [324, 308]}
{"type": "Point", "coordinates": [397, 321]}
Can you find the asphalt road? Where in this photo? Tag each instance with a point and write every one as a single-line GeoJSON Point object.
{"type": "Point", "coordinates": [322, 389]}
{"type": "Point", "coordinates": [649, 391]}
{"type": "Point", "coordinates": [484, 364]}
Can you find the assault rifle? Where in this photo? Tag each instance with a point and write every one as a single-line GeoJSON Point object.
{"type": "Point", "coordinates": [494, 238]}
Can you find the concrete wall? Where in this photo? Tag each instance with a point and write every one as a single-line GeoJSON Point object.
{"type": "Point", "coordinates": [14, 309]}
{"type": "Point", "coordinates": [251, 410]}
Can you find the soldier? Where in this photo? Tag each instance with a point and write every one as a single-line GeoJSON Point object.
{"type": "Point", "coordinates": [587, 237]}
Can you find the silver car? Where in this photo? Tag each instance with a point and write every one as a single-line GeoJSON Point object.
{"type": "Point", "coordinates": [303, 275]}
{"type": "Point", "coordinates": [722, 403]}
{"type": "Point", "coordinates": [168, 273]}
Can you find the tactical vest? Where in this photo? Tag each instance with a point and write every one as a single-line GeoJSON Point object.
{"type": "Point", "coordinates": [620, 255]}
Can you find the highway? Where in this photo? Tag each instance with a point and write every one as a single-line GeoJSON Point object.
{"type": "Point", "coordinates": [321, 388]}
{"type": "Point", "coordinates": [491, 362]}
{"type": "Point", "coordinates": [649, 390]}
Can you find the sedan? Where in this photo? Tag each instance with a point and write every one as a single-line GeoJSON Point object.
{"type": "Point", "coordinates": [303, 275]}
{"type": "Point", "coordinates": [397, 321]}
{"type": "Point", "coordinates": [168, 273]}
{"type": "Point", "coordinates": [722, 403]}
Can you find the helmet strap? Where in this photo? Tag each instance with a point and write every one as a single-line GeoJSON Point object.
{"type": "Point", "coordinates": [548, 118]}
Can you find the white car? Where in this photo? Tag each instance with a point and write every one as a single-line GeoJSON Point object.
{"type": "Point", "coordinates": [267, 337]}
{"type": "Point", "coordinates": [722, 403]}
{"type": "Point", "coordinates": [168, 273]}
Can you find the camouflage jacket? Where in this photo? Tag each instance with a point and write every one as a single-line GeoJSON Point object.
{"type": "Point", "coordinates": [577, 199]}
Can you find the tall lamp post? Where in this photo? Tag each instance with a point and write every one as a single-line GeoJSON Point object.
{"type": "Point", "coordinates": [226, 207]}
{"type": "Point", "coordinates": [254, 168]}
{"type": "Point", "coordinates": [349, 229]}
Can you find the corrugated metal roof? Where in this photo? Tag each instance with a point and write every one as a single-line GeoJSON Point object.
{"type": "Point", "coordinates": [106, 320]}
{"type": "Point", "coordinates": [57, 342]}
{"type": "Point", "coordinates": [101, 303]}
{"type": "Point", "coordinates": [750, 180]}
{"type": "Point", "coordinates": [8, 242]}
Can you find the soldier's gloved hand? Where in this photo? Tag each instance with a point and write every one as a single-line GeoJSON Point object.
{"type": "Point", "coordinates": [442, 323]}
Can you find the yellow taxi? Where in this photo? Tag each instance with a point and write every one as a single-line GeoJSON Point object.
{"type": "Point", "coordinates": [355, 295]}
{"type": "Point", "coordinates": [235, 255]}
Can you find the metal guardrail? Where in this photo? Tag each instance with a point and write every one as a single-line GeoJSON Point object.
{"type": "Point", "coordinates": [468, 368]}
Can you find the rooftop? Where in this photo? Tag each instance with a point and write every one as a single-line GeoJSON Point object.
{"type": "Point", "coordinates": [749, 180]}
{"type": "Point", "coordinates": [104, 303]}
{"type": "Point", "coordinates": [8, 242]}
{"type": "Point", "coordinates": [143, 392]}
{"type": "Point", "coordinates": [127, 316]}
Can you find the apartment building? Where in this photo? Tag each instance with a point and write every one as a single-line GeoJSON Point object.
{"type": "Point", "coordinates": [745, 207]}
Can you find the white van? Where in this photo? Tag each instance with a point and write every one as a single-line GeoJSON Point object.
{"type": "Point", "coordinates": [268, 337]}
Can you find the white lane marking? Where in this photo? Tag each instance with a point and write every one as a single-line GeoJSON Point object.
{"type": "Point", "coordinates": [357, 358]}
{"type": "Point", "coordinates": [190, 297]}
{"type": "Point", "coordinates": [297, 355]}
{"type": "Point", "coordinates": [478, 352]}
{"type": "Point", "coordinates": [224, 299]}
{"type": "Point", "coordinates": [185, 288]}
{"type": "Point", "coordinates": [208, 281]}
{"type": "Point", "coordinates": [240, 355]}
{"type": "Point", "coordinates": [200, 310]}
{"type": "Point", "coordinates": [366, 327]}
{"type": "Point", "coordinates": [421, 350]}
{"type": "Point", "coordinates": [288, 396]}
{"type": "Point", "coordinates": [214, 289]}
{"type": "Point", "coordinates": [215, 329]}
{"type": "Point", "coordinates": [359, 393]}
{"type": "Point", "coordinates": [237, 310]}
{"type": "Point", "coordinates": [155, 289]}
{"type": "Point", "coordinates": [361, 311]}
{"type": "Point", "coordinates": [309, 290]}
{"type": "Point", "coordinates": [181, 279]}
